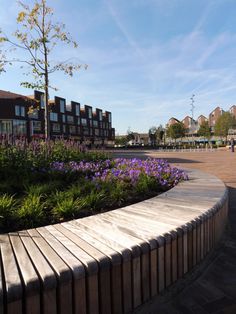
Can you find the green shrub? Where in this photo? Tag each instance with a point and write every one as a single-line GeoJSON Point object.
{"type": "Point", "coordinates": [75, 190]}
{"type": "Point", "coordinates": [42, 189]}
{"type": "Point", "coordinates": [66, 208]}
{"type": "Point", "coordinates": [117, 195]}
{"type": "Point", "coordinates": [8, 207]}
{"type": "Point", "coordinates": [32, 210]}
{"type": "Point", "coordinates": [93, 201]}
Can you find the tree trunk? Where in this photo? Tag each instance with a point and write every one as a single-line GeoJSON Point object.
{"type": "Point", "coordinates": [46, 80]}
{"type": "Point", "coordinates": [46, 111]}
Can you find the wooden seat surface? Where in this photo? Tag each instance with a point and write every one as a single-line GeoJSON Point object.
{"type": "Point", "coordinates": [114, 261]}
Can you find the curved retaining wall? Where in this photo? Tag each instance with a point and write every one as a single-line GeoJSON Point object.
{"type": "Point", "coordinates": [116, 261]}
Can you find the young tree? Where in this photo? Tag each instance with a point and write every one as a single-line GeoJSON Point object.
{"type": "Point", "coordinates": [204, 130]}
{"type": "Point", "coordinates": [176, 130]}
{"type": "Point", "coordinates": [225, 122]}
{"type": "Point", "coordinates": [130, 135]}
{"type": "Point", "coordinates": [2, 54]}
{"type": "Point", "coordinates": [153, 135]}
{"type": "Point", "coordinates": [160, 133]}
{"type": "Point", "coordinates": [37, 36]}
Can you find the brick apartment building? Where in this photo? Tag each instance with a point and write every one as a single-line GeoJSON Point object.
{"type": "Point", "coordinates": [213, 117]}
{"type": "Point", "coordinates": [172, 121]}
{"type": "Point", "coordinates": [201, 119]}
{"type": "Point", "coordinates": [189, 124]}
{"type": "Point", "coordinates": [23, 116]}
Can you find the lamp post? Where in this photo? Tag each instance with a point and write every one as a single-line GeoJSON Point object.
{"type": "Point", "coordinates": [192, 112]}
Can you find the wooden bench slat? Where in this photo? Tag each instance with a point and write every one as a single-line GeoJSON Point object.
{"type": "Point", "coordinates": [90, 264]}
{"type": "Point", "coordinates": [115, 258]}
{"type": "Point", "coordinates": [126, 263]}
{"type": "Point", "coordinates": [135, 245]}
{"type": "Point", "coordinates": [104, 267]}
{"type": "Point", "coordinates": [29, 275]}
{"type": "Point", "coordinates": [77, 268]}
{"type": "Point", "coordinates": [62, 271]}
{"type": "Point", "coordinates": [12, 284]}
{"type": "Point", "coordinates": [1, 283]}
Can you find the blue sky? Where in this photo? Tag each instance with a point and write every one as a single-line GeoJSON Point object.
{"type": "Point", "coordinates": [146, 57]}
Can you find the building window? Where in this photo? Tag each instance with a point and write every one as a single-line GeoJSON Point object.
{"type": "Point", "coordinates": [36, 126]}
{"type": "Point", "coordinates": [70, 119]}
{"type": "Point", "coordinates": [53, 116]}
{"type": "Point", "coordinates": [56, 127]}
{"type": "Point", "coordinates": [64, 128]}
{"type": "Point", "coordinates": [42, 102]}
{"type": "Point", "coordinates": [5, 127]}
{"type": "Point", "coordinates": [90, 113]}
{"type": "Point", "coordinates": [78, 122]}
{"type": "Point", "coordinates": [100, 116]}
{"type": "Point", "coordinates": [96, 132]}
{"type": "Point", "coordinates": [109, 117]}
{"type": "Point", "coordinates": [77, 110]}
{"type": "Point", "coordinates": [62, 105]}
{"type": "Point", "coordinates": [95, 123]}
{"type": "Point", "coordinates": [34, 114]}
{"type": "Point", "coordinates": [64, 118]}
{"type": "Point", "coordinates": [72, 129]}
{"type": "Point", "coordinates": [86, 131]}
{"type": "Point", "coordinates": [19, 127]}
{"type": "Point", "coordinates": [17, 110]}
{"type": "Point", "coordinates": [84, 121]}
{"type": "Point", "coordinates": [20, 111]}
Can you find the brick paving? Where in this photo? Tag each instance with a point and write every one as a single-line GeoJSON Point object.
{"type": "Point", "coordinates": [211, 287]}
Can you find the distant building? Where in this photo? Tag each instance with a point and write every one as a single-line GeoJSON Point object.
{"type": "Point", "coordinates": [214, 116]}
{"type": "Point", "coordinates": [23, 116]}
{"type": "Point", "coordinates": [232, 110]}
{"type": "Point", "coordinates": [201, 119]}
{"type": "Point", "coordinates": [190, 125]}
{"type": "Point", "coordinates": [140, 139]}
{"type": "Point", "coordinates": [172, 121]}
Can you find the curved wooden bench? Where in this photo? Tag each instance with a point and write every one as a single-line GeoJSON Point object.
{"type": "Point", "coordinates": [113, 262]}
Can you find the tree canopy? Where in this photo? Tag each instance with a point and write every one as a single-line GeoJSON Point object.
{"type": "Point", "coordinates": [152, 133]}
{"type": "Point", "coordinates": [204, 130]}
{"type": "Point", "coordinates": [176, 130]}
{"type": "Point", "coordinates": [160, 133]}
{"type": "Point", "coordinates": [38, 35]}
{"type": "Point", "coordinates": [225, 122]}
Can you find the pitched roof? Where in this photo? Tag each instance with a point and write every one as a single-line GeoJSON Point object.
{"type": "Point", "coordinates": [173, 118]}
{"type": "Point", "coordinates": [9, 95]}
{"type": "Point", "coordinates": [201, 115]}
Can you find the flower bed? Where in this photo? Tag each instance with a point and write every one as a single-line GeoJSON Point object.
{"type": "Point", "coordinates": [74, 185]}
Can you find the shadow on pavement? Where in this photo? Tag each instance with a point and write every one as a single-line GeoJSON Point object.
{"type": "Point", "coordinates": [144, 155]}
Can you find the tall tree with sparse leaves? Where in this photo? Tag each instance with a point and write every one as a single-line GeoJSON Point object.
{"type": "Point", "coordinates": [225, 122]}
{"type": "Point", "coordinates": [204, 130]}
{"type": "Point", "coordinates": [152, 133]}
{"type": "Point", "coordinates": [176, 130]}
{"type": "Point", "coordinates": [2, 54]}
{"type": "Point", "coordinates": [160, 132]}
{"type": "Point", "coordinates": [37, 36]}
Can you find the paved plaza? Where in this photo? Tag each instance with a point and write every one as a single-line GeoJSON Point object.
{"type": "Point", "coordinates": [211, 287]}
